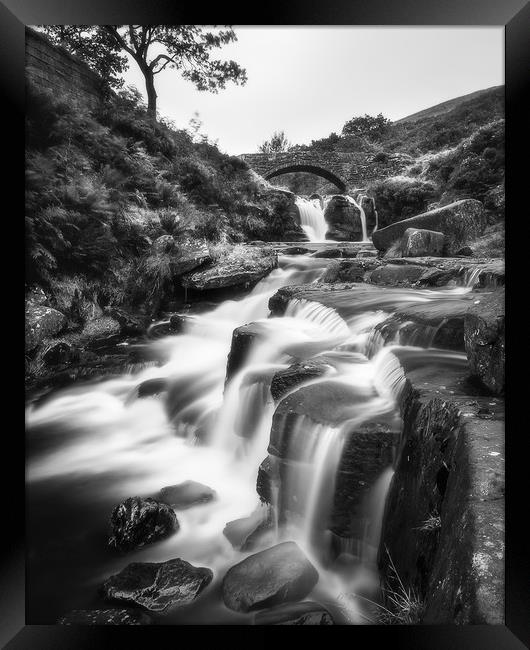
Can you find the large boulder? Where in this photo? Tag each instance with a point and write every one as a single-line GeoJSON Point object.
{"type": "Point", "coordinates": [304, 613]}
{"type": "Point", "coordinates": [460, 222]}
{"type": "Point", "coordinates": [41, 323]}
{"type": "Point", "coordinates": [243, 339]}
{"type": "Point", "coordinates": [343, 219]}
{"type": "Point", "coordinates": [485, 339]}
{"type": "Point", "coordinates": [105, 617]}
{"type": "Point", "coordinates": [276, 575]}
{"type": "Point", "coordinates": [157, 586]}
{"type": "Point", "coordinates": [418, 242]}
{"type": "Point", "coordinates": [186, 495]}
{"type": "Point", "coordinates": [136, 522]}
{"type": "Point", "coordinates": [396, 274]}
{"type": "Point", "coordinates": [243, 266]}
{"type": "Point", "coordinates": [186, 253]}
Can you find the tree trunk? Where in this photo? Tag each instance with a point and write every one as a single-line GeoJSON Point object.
{"type": "Point", "coordinates": [151, 93]}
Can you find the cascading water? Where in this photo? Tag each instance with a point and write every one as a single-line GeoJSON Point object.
{"type": "Point", "coordinates": [358, 204]}
{"type": "Point", "coordinates": [312, 219]}
{"type": "Point", "coordinates": [92, 445]}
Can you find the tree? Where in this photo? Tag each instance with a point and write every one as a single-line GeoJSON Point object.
{"type": "Point", "coordinates": [154, 48]}
{"type": "Point", "coordinates": [276, 144]}
{"type": "Point", "coordinates": [367, 126]}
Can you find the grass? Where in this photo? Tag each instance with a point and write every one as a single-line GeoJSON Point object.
{"type": "Point", "coordinates": [431, 524]}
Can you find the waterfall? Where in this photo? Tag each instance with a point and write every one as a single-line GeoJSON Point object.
{"type": "Point", "coordinates": [312, 219]}
{"type": "Point", "coordinates": [358, 204]}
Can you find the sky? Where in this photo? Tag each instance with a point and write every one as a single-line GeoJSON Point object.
{"type": "Point", "coordinates": [308, 81]}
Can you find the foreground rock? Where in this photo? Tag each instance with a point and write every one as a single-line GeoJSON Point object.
{"type": "Point", "coordinates": [137, 522]}
{"type": "Point", "coordinates": [249, 533]}
{"type": "Point", "coordinates": [460, 222]}
{"type": "Point", "coordinates": [417, 242]}
{"type": "Point", "coordinates": [187, 494]}
{"type": "Point", "coordinates": [157, 586]}
{"type": "Point", "coordinates": [305, 613]}
{"type": "Point", "coordinates": [444, 517]}
{"type": "Point", "coordinates": [277, 575]}
{"type": "Point", "coordinates": [238, 268]}
{"type": "Point", "coordinates": [485, 339]}
{"type": "Point", "coordinates": [105, 617]}
{"type": "Point", "coordinates": [41, 323]}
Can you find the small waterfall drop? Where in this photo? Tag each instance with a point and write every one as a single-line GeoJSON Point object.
{"type": "Point", "coordinates": [312, 219]}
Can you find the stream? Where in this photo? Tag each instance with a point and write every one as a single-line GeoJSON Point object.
{"type": "Point", "coordinates": [91, 445]}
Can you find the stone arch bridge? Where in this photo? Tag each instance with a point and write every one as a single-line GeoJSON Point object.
{"type": "Point", "coordinates": [346, 170]}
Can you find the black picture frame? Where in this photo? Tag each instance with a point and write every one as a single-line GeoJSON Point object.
{"type": "Point", "coordinates": [515, 16]}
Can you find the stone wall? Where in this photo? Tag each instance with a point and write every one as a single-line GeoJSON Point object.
{"type": "Point", "coordinates": [49, 67]}
{"type": "Point", "coordinates": [354, 169]}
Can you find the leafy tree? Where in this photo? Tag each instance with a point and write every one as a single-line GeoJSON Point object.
{"type": "Point", "coordinates": [276, 144]}
{"type": "Point", "coordinates": [154, 48]}
{"type": "Point", "coordinates": [367, 126]}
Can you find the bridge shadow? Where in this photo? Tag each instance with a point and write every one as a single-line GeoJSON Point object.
{"type": "Point", "coordinates": [312, 169]}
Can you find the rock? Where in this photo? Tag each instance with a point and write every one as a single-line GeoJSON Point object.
{"type": "Point", "coordinates": [239, 531]}
{"type": "Point", "coordinates": [157, 587]}
{"type": "Point", "coordinates": [236, 269]}
{"type": "Point", "coordinates": [268, 477]}
{"type": "Point", "coordinates": [485, 339]}
{"type": "Point", "coordinates": [460, 222]}
{"type": "Point", "coordinates": [154, 386]}
{"type": "Point", "coordinates": [57, 352]}
{"type": "Point", "coordinates": [367, 253]}
{"type": "Point", "coordinates": [335, 252]}
{"type": "Point", "coordinates": [304, 613]}
{"type": "Point", "coordinates": [350, 270]}
{"type": "Point", "coordinates": [294, 250]}
{"type": "Point", "coordinates": [444, 515]}
{"type": "Point", "coordinates": [242, 341]}
{"type": "Point", "coordinates": [177, 322]}
{"type": "Point", "coordinates": [136, 522]}
{"type": "Point", "coordinates": [187, 494]}
{"type": "Point", "coordinates": [101, 331]}
{"type": "Point", "coordinates": [344, 220]}
{"type": "Point", "coordinates": [465, 251]}
{"type": "Point", "coordinates": [130, 325]}
{"type": "Point", "coordinates": [437, 323]}
{"type": "Point", "coordinates": [276, 575]}
{"type": "Point", "coordinates": [105, 617]}
{"type": "Point", "coordinates": [41, 323]}
{"type": "Point", "coordinates": [418, 242]}
{"type": "Point", "coordinates": [296, 374]}
{"type": "Point", "coordinates": [190, 255]}
{"type": "Point", "coordinates": [396, 274]}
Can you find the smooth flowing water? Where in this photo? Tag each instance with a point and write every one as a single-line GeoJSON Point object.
{"type": "Point", "coordinates": [312, 219]}
{"type": "Point", "coordinates": [94, 444]}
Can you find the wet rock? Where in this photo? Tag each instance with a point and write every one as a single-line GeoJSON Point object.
{"type": "Point", "coordinates": [41, 323]}
{"type": "Point", "coordinates": [177, 323]}
{"type": "Point", "coordinates": [276, 575]}
{"type": "Point", "coordinates": [233, 270]}
{"type": "Point", "coordinates": [438, 324]}
{"type": "Point", "coordinates": [136, 522]}
{"type": "Point", "coordinates": [367, 253]}
{"type": "Point", "coordinates": [187, 494]}
{"type": "Point", "coordinates": [242, 341]}
{"type": "Point", "coordinates": [344, 220]}
{"type": "Point", "coordinates": [350, 270]}
{"type": "Point", "coordinates": [396, 275]}
{"type": "Point", "coordinates": [417, 242]}
{"type": "Point", "coordinates": [336, 252]}
{"type": "Point", "coordinates": [151, 387]}
{"type": "Point", "coordinates": [105, 617]}
{"type": "Point", "coordinates": [268, 478]}
{"type": "Point", "coordinates": [246, 533]}
{"type": "Point", "coordinates": [460, 222]}
{"type": "Point", "coordinates": [157, 587]}
{"type": "Point", "coordinates": [296, 374]}
{"type": "Point", "coordinates": [444, 515]}
{"type": "Point", "coordinates": [294, 250]}
{"type": "Point", "coordinates": [367, 203]}
{"type": "Point", "coordinates": [304, 613]}
{"type": "Point", "coordinates": [485, 339]}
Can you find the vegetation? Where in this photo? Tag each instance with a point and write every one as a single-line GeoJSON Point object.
{"type": "Point", "coordinates": [368, 126]}
{"type": "Point", "coordinates": [102, 186]}
{"type": "Point", "coordinates": [154, 48]}
{"type": "Point", "coordinates": [276, 144]}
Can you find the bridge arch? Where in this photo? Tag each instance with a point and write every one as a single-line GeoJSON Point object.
{"type": "Point", "coordinates": [310, 168]}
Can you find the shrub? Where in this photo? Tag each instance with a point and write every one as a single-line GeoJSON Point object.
{"type": "Point", "coordinates": [400, 197]}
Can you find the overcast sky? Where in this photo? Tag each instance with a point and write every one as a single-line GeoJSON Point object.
{"type": "Point", "coordinates": [308, 81]}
